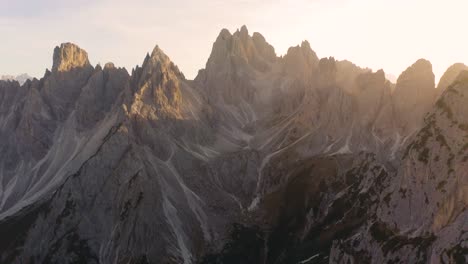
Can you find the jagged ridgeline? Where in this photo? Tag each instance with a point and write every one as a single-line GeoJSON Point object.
{"type": "Point", "coordinates": [260, 159]}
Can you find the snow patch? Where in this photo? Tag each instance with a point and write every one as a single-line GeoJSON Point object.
{"type": "Point", "coordinates": [254, 204]}
{"type": "Point", "coordinates": [309, 259]}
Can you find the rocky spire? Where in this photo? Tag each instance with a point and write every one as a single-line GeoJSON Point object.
{"type": "Point", "coordinates": [157, 87]}
{"type": "Point", "coordinates": [69, 56]}
{"type": "Point", "coordinates": [414, 95]}
{"type": "Point", "coordinates": [301, 60]}
{"type": "Point", "coordinates": [70, 73]}
{"type": "Point", "coordinates": [243, 48]}
{"type": "Point", "coordinates": [235, 59]}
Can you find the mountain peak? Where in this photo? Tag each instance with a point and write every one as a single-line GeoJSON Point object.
{"type": "Point", "coordinates": [159, 62]}
{"type": "Point", "coordinates": [420, 71]}
{"type": "Point", "coordinates": [159, 55]}
{"type": "Point", "coordinates": [241, 47]}
{"type": "Point", "coordinates": [423, 63]}
{"type": "Point", "coordinates": [414, 94]}
{"type": "Point", "coordinates": [157, 51]}
{"type": "Point", "coordinates": [305, 45]}
{"type": "Point", "coordinates": [450, 76]}
{"type": "Point", "coordinates": [244, 29]}
{"type": "Point", "coordinates": [109, 65]}
{"type": "Point", "coordinates": [223, 35]}
{"type": "Point", "coordinates": [69, 56]}
{"type": "Point", "coordinates": [301, 59]}
{"type": "Point", "coordinates": [381, 73]}
{"type": "Point", "coordinates": [304, 49]}
{"type": "Point", "coordinates": [244, 32]}
{"type": "Point", "coordinates": [22, 78]}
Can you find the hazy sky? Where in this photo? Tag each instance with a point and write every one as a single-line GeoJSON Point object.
{"type": "Point", "coordinates": [388, 34]}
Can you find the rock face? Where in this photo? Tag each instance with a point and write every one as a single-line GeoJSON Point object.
{"type": "Point", "coordinates": [260, 159]}
{"type": "Point", "coordinates": [68, 57]}
{"type": "Point", "coordinates": [414, 94]}
{"type": "Point", "coordinates": [431, 190]}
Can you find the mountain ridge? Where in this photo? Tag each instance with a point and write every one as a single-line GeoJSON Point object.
{"type": "Point", "coordinates": [259, 159]}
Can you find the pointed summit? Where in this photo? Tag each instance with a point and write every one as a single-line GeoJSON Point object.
{"type": "Point", "coordinates": [69, 56]}
{"type": "Point", "coordinates": [159, 62]}
{"type": "Point", "coordinates": [158, 54]}
{"type": "Point", "coordinates": [157, 87]}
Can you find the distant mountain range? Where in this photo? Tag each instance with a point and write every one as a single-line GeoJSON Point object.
{"type": "Point", "coordinates": [259, 159]}
{"type": "Point", "coordinates": [22, 78]}
{"type": "Point", "coordinates": [391, 77]}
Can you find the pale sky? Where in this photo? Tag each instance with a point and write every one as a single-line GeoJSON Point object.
{"type": "Point", "coordinates": [388, 34]}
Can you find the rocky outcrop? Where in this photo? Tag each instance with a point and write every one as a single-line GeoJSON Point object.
{"type": "Point", "coordinates": [68, 57]}
{"type": "Point", "coordinates": [260, 159]}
